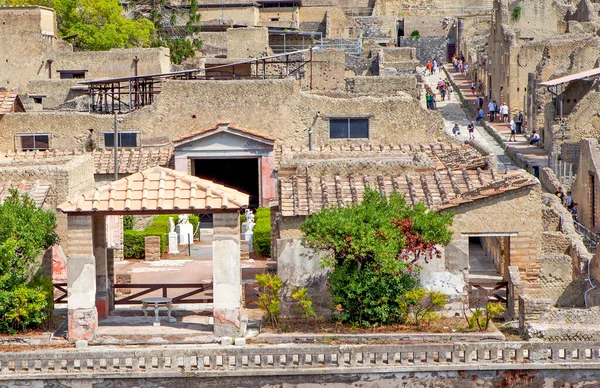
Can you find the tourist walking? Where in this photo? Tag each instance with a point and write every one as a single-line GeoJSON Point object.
{"type": "Point", "coordinates": [471, 128]}
{"type": "Point", "coordinates": [504, 113]}
{"type": "Point", "coordinates": [492, 111]}
{"type": "Point", "coordinates": [513, 131]}
{"type": "Point", "coordinates": [473, 88]}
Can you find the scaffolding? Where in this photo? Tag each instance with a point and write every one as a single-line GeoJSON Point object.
{"type": "Point", "coordinates": [126, 94]}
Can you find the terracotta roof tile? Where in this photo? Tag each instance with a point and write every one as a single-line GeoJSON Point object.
{"type": "Point", "coordinates": [10, 103]}
{"type": "Point", "coordinates": [37, 190]}
{"type": "Point", "coordinates": [156, 189]}
{"type": "Point", "coordinates": [223, 126]}
{"type": "Point", "coordinates": [131, 160]}
{"type": "Point", "coordinates": [437, 189]}
{"type": "Point", "coordinates": [442, 155]}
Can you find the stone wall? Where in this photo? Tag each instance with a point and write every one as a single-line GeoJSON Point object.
{"type": "Point", "coordinates": [379, 28]}
{"type": "Point", "coordinates": [382, 86]}
{"type": "Point", "coordinates": [243, 43]}
{"type": "Point", "coordinates": [518, 212]}
{"type": "Point", "coordinates": [586, 187]}
{"type": "Point", "coordinates": [213, 43]}
{"type": "Point", "coordinates": [365, 65]}
{"type": "Point", "coordinates": [428, 47]}
{"type": "Point", "coordinates": [275, 108]}
{"type": "Point", "coordinates": [66, 176]}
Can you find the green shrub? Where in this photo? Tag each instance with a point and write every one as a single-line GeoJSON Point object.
{"type": "Point", "coordinates": [482, 317]}
{"type": "Point", "coordinates": [128, 222]}
{"type": "Point", "coordinates": [304, 306]}
{"type": "Point", "coordinates": [415, 34]}
{"type": "Point", "coordinates": [27, 305]}
{"type": "Point", "coordinates": [134, 242]}
{"type": "Point", "coordinates": [262, 231]}
{"type": "Point", "coordinates": [268, 300]}
{"type": "Point", "coordinates": [420, 305]}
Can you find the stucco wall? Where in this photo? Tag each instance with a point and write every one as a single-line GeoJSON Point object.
{"type": "Point", "coordinates": [248, 42]}
{"type": "Point", "coordinates": [275, 107]}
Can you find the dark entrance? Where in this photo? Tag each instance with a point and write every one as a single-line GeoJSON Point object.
{"type": "Point", "coordinates": [239, 174]}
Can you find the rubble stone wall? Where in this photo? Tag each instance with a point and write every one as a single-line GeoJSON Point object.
{"type": "Point", "coordinates": [582, 188]}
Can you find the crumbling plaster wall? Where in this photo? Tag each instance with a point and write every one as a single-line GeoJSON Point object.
{"type": "Point", "coordinates": [274, 107]}
{"type": "Point", "coordinates": [243, 43]}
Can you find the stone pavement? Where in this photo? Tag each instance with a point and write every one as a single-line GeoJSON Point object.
{"type": "Point", "coordinates": [521, 153]}
{"type": "Point", "coordinates": [452, 112]}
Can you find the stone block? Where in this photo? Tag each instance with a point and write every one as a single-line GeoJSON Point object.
{"type": "Point", "coordinates": [240, 341]}
{"type": "Point", "coordinates": [82, 324]}
{"type": "Point", "coordinates": [152, 248]}
{"type": "Point", "coordinates": [226, 341]}
{"type": "Point", "coordinates": [81, 344]}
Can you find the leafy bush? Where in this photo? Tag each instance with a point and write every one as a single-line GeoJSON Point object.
{"type": "Point", "coordinates": [25, 232]}
{"type": "Point", "coordinates": [128, 222]}
{"type": "Point", "coordinates": [262, 231]}
{"type": "Point", "coordinates": [516, 13]}
{"type": "Point", "coordinates": [269, 301]}
{"type": "Point", "coordinates": [415, 34]}
{"type": "Point", "coordinates": [482, 317]}
{"type": "Point", "coordinates": [376, 247]}
{"type": "Point", "coordinates": [420, 305]}
{"type": "Point", "coordinates": [304, 306]}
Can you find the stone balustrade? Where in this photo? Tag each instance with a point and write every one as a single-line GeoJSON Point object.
{"type": "Point", "coordinates": [254, 360]}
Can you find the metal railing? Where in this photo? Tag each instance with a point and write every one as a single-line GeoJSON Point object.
{"type": "Point", "coordinates": [215, 360]}
{"type": "Point", "coordinates": [590, 239]}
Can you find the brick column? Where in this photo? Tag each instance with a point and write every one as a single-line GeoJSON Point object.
{"type": "Point", "coordinates": [102, 285]}
{"type": "Point", "coordinates": [227, 275]}
{"type": "Point", "coordinates": [81, 279]}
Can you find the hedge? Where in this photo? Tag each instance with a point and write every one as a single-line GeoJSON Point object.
{"type": "Point", "coordinates": [262, 231]}
{"type": "Point", "coordinates": [134, 241]}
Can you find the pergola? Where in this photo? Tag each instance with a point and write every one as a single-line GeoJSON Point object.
{"type": "Point", "coordinates": [156, 190]}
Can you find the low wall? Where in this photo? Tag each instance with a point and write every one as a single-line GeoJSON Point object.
{"type": "Point", "coordinates": [314, 362]}
{"type": "Point", "coordinates": [428, 47]}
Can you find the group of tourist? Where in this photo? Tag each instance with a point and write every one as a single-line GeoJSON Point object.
{"type": "Point", "coordinates": [567, 201]}
{"type": "Point", "coordinates": [434, 66]}
{"type": "Point", "coordinates": [459, 64]}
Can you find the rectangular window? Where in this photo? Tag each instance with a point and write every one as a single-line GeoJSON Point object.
{"type": "Point", "coordinates": [70, 74]}
{"type": "Point", "coordinates": [126, 139]}
{"type": "Point", "coordinates": [31, 142]}
{"type": "Point", "coordinates": [349, 128]}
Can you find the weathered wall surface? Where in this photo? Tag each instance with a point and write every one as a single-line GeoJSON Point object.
{"type": "Point", "coordinates": [65, 175]}
{"type": "Point", "coordinates": [517, 212]}
{"type": "Point", "coordinates": [382, 85]}
{"type": "Point", "coordinates": [113, 63]}
{"type": "Point", "coordinates": [230, 15]}
{"type": "Point", "coordinates": [380, 28]}
{"type": "Point", "coordinates": [213, 43]}
{"type": "Point", "coordinates": [328, 70]}
{"type": "Point", "coordinates": [248, 42]}
{"type": "Point", "coordinates": [275, 107]}
{"type": "Point", "coordinates": [431, 25]}
{"type": "Point", "coordinates": [428, 47]}
{"type": "Point", "coordinates": [586, 187]}
{"type": "Point", "coordinates": [57, 91]}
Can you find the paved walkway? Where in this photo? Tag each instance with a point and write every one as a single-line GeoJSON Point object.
{"type": "Point", "coordinates": [452, 112]}
{"type": "Point", "coordinates": [533, 155]}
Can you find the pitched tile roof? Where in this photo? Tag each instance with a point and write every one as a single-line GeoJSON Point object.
{"type": "Point", "coordinates": [10, 103]}
{"type": "Point", "coordinates": [37, 190]}
{"type": "Point", "coordinates": [131, 160]}
{"type": "Point", "coordinates": [222, 127]}
{"type": "Point", "coordinates": [442, 155]}
{"type": "Point", "coordinates": [439, 189]}
{"type": "Point", "coordinates": [156, 189]}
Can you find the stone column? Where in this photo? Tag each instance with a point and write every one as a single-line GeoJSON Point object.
{"type": "Point", "coordinates": [102, 281]}
{"type": "Point", "coordinates": [81, 279]}
{"type": "Point", "coordinates": [227, 275]}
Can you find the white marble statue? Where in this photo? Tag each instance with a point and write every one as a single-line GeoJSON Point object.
{"type": "Point", "coordinates": [172, 224]}
{"type": "Point", "coordinates": [184, 219]}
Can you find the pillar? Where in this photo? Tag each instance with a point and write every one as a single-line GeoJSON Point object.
{"type": "Point", "coordinates": [81, 279]}
{"type": "Point", "coordinates": [102, 281]}
{"type": "Point", "coordinates": [227, 275]}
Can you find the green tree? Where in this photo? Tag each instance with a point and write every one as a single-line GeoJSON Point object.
{"type": "Point", "coordinates": [375, 249]}
{"type": "Point", "coordinates": [25, 232]}
{"type": "Point", "coordinates": [98, 24]}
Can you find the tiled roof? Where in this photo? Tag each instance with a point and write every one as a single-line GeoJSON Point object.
{"type": "Point", "coordinates": [440, 189]}
{"type": "Point", "coordinates": [444, 156]}
{"type": "Point", "coordinates": [156, 189]}
{"type": "Point", "coordinates": [10, 102]}
{"type": "Point", "coordinates": [131, 160]}
{"type": "Point", "coordinates": [223, 127]}
{"type": "Point", "coordinates": [37, 190]}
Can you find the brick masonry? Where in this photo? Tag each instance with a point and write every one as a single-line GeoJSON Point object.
{"type": "Point", "coordinates": [152, 248]}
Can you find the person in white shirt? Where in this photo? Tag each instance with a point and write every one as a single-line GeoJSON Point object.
{"type": "Point", "coordinates": [513, 131]}
{"type": "Point", "coordinates": [504, 113]}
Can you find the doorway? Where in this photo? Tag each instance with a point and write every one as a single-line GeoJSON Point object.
{"type": "Point", "coordinates": [239, 174]}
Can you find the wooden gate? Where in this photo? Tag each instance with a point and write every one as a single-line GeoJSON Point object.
{"type": "Point", "coordinates": [480, 293]}
{"type": "Point", "coordinates": [198, 292]}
